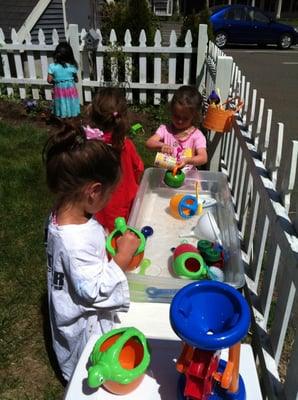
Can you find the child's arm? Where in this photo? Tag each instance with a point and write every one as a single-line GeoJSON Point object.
{"type": "Point", "coordinates": [138, 168]}
{"type": "Point", "coordinates": [200, 158]}
{"type": "Point", "coordinates": [75, 77]}
{"type": "Point", "coordinates": [127, 244]}
{"type": "Point", "coordinates": [154, 143]}
{"type": "Point", "coordinates": [136, 160]}
{"type": "Point", "coordinates": [50, 78]}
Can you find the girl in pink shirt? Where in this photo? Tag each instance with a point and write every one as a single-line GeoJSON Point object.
{"type": "Point", "coordinates": [180, 138]}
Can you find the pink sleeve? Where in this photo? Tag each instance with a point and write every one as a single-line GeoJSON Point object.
{"type": "Point", "coordinates": [200, 140]}
{"type": "Point", "coordinates": [161, 131]}
{"type": "Point", "coordinates": [165, 136]}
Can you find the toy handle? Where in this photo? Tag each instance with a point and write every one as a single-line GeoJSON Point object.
{"type": "Point", "coordinates": [239, 105]}
{"type": "Point", "coordinates": [175, 170]}
{"type": "Point", "coordinates": [121, 227]}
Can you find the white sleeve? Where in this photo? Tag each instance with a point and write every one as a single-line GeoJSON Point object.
{"type": "Point", "coordinates": [102, 285]}
{"type": "Point", "coordinates": [93, 279]}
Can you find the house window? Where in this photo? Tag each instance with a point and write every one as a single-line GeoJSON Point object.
{"type": "Point", "coordinates": [164, 7]}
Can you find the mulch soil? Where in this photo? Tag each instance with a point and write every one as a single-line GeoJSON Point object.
{"type": "Point", "coordinates": [16, 113]}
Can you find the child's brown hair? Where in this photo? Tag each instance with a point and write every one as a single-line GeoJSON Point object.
{"type": "Point", "coordinates": [189, 96]}
{"type": "Point", "coordinates": [108, 112]}
{"type": "Point", "coordinates": [72, 161]}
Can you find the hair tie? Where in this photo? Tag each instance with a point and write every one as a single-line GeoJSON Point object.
{"type": "Point", "coordinates": [115, 114]}
{"type": "Point", "coordinates": [93, 133]}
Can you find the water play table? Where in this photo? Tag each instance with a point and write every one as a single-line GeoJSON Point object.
{"type": "Point", "coordinates": [151, 207]}
{"type": "Point", "coordinates": [150, 314]}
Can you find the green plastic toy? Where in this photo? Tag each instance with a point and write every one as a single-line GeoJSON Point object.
{"type": "Point", "coordinates": [113, 351]}
{"type": "Point", "coordinates": [120, 229]}
{"type": "Point", "coordinates": [188, 262]}
{"type": "Point", "coordinates": [137, 128]}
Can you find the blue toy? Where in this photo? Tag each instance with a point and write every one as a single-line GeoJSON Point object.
{"type": "Point", "coordinates": [209, 316]}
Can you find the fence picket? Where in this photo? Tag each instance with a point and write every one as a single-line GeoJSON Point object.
{"type": "Point", "coordinates": [288, 180]}
{"type": "Point", "coordinates": [273, 163]}
{"type": "Point", "coordinates": [128, 66]}
{"type": "Point", "coordinates": [266, 141]}
{"type": "Point", "coordinates": [41, 37]}
{"type": "Point", "coordinates": [157, 69]}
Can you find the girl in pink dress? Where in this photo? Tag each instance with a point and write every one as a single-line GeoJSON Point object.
{"type": "Point", "coordinates": [180, 138]}
{"type": "Point", "coordinates": [63, 74]}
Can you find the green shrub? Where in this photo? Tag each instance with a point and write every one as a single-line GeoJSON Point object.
{"type": "Point", "coordinates": [113, 15]}
{"type": "Point", "coordinates": [139, 17]}
{"type": "Point", "coordinates": [192, 23]}
{"type": "Point", "coordinates": [135, 17]}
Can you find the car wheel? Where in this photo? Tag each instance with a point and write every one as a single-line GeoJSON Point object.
{"type": "Point", "coordinates": [221, 39]}
{"type": "Point", "coordinates": [285, 41]}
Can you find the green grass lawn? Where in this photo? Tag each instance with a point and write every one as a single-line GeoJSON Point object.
{"type": "Point", "coordinates": [27, 364]}
{"type": "Point", "coordinates": [26, 371]}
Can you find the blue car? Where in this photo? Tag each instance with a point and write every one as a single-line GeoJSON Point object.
{"type": "Point", "coordinates": [249, 25]}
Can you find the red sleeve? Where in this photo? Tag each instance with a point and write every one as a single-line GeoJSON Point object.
{"type": "Point", "coordinates": [137, 162]}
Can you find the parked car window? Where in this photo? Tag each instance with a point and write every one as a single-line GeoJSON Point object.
{"type": "Point", "coordinates": [259, 17]}
{"type": "Point", "coordinates": [236, 14]}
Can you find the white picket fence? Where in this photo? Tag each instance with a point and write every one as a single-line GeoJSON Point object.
{"type": "Point", "coordinates": [269, 239]}
{"type": "Point", "coordinates": [26, 65]}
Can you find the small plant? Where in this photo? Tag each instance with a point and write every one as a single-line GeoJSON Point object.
{"type": "Point", "coordinates": [35, 108]}
{"type": "Point", "coordinates": [117, 65]}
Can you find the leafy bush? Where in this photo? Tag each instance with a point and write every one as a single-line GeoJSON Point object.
{"type": "Point", "coordinates": [192, 23]}
{"type": "Point", "coordinates": [140, 17]}
{"type": "Point", "coordinates": [113, 15]}
{"type": "Point", "coordinates": [135, 17]}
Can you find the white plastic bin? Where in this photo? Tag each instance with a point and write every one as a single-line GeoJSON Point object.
{"type": "Point", "coordinates": [151, 207]}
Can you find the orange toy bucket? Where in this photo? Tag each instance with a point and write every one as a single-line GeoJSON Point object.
{"type": "Point", "coordinates": [219, 119]}
{"type": "Point", "coordinates": [130, 356]}
{"type": "Point", "coordinates": [136, 259]}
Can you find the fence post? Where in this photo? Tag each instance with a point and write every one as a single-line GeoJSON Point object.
{"type": "Point", "coordinates": [222, 84]}
{"type": "Point", "coordinates": [201, 54]}
{"type": "Point", "coordinates": [223, 76]}
{"type": "Point", "coordinates": [75, 44]}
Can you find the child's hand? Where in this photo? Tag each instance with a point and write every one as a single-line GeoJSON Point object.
{"type": "Point", "coordinates": [183, 161]}
{"type": "Point", "coordinates": [127, 244]}
{"type": "Point", "coordinates": [167, 149]}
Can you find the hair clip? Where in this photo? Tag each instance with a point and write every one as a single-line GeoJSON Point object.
{"type": "Point", "coordinates": [93, 133]}
{"type": "Point", "coordinates": [115, 114]}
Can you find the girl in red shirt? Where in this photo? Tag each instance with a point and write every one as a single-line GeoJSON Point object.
{"type": "Point", "coordinates": [108, 113]}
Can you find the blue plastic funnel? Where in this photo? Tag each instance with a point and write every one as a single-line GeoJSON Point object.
{"type": "Point", "coordinates": [209, 315]}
